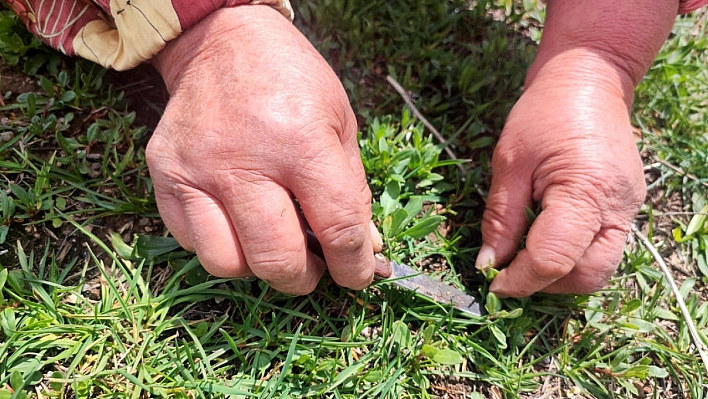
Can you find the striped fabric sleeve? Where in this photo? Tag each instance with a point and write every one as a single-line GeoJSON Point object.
{"type": "Point", "coordinates": [691, 5]}
{"type": "Point", "coordinates": [119, 34]}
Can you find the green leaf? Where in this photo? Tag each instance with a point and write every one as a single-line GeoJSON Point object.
{"type": "Point", "coordinates": [665, 314]}
{"type": "Point", "coordinates": [262, 359]}
{"type": "Point", "coordinates": [697, 222]}
{"type": "Point", "coordinates": [631, 306]}
{"type": "Point", "coordinates": [56, 385]}
{"type": "Point", "coordinates": [47, 86]}
{"type": "Point", "coordinates": [16, 281]}
{"type": "Point", "coordinates": [399, 220]}
{"type": "Point", "coordinates": [428, 351]}
{"type": "Point", "coordinates": [8, 322]}
{"type": "Point", "coordinates": [677, 233]}
{"type": "Point", "coordinates": [592, 314]}
{"type": "Point", "coordinates": [196, 276]}
{"type": "Point", "coordinates": [493, 304]}
{"type": "Point", "coordinates": [202, 329]}
{"type": "Point", "coordinates": [150, 247]}
{"type": "Point", "coordinates": [16, 381]}
{"type": "Point", "coordinates": [513, 314]}
{"type": "Point", "coordinates": [123, 250]}
{"type": "Point", "coordinates": [640, 371]}
{"type": "Point", "coordinates": [687, 287]}
{"type": "Point", "coordinates": [387, 226]}
{"type": "Point", "coordinates": [3, 233]}
{"type": "Point", "coordinates": [414, 206]}
{"type": "Point", "coordinates": [60, 203]}
{"type": "Point", "coordinates": [401, 334]}
{"type": "Point", "coordinates": [33, 64]}
{"type": "Point", "coordinates": [389, 198]}
{"type": "Point", "coordinates": [5, 394]}
{"type": "Point", "coordinates": [373, 376]}
{"type": "Point", "coordinates": [68, 96]}
{"type": "Point", "coordinates": [447, 357]}
{"type": "Point", "coordinates": [498, 335]}
{"type": "Point", "coordinates": [424, 227]}
{"type": "Point", "coordinates": [657, 372]}
{"type": "Point", "coordinates": [3, 277]}
{"type": "Point", "coordinates": [641, 325]}
{"type": "Point", "coordinates": [428, 334]}
{"type": "Point", "coordinates": [22, 195]}
{"type": "Point", "coordinates": [702, 264]}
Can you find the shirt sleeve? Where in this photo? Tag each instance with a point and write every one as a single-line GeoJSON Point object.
{"type": "Point", "coordinates": [119, 34]}
{"type": "Point", "coordinates": [687, 6]}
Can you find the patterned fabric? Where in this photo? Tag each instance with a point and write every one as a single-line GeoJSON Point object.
{"type": "Point", "coordinates": [691, 5]}
{"type": "Point", "coordinates": [119, 34]}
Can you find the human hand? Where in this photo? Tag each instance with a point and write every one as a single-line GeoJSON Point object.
{"type": "Point", "coordinates": [571, 150]}
{"type": "Point", "coordinates": [568, 146]}
{"type": "Point", "coordinates": [256, 118]}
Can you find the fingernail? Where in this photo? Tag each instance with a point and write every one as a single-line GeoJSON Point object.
{"type": "Point", "coordinates": [485, 258]}
{"type": "Point", "coordinates": [376, 240]}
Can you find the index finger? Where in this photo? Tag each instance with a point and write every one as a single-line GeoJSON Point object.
{"type": "Point", "coordinates": [331, 197]}
{"type": "Point", "coordinates": [558, 238]}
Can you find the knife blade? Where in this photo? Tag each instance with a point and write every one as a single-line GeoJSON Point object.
{"type": "Point", "coordinates": [408, 278]}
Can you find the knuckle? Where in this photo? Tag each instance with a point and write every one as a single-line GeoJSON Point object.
{"type": "Point", "coordinates": [502, 160]}
{"type": "Point", "coordinates": [366, 195]}
{"type": "Point", "coordinates": [303, 288]}
{"type": "Point", "coordinates": [549, 264]}
{"type": "Point", "coordinates": [222, 268]}
{"type": "Point", "coordinates": [345, 237]}
{"type": "Point", "coordinates": [495, 225]}
{"type": "Point", "coordinates": [278, 265]}
{"type": "Point", "coordinates": [359, 280]}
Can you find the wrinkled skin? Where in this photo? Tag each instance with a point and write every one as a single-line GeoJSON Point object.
{"type": "Point", "coordinates": [577, 158]}
{"type": "Point", "coordinates": [568, 146]}
{"type": "Point", "coordinates": [256, 118]}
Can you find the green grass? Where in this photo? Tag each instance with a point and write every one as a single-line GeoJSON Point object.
{"type": "Point", "coordinates": [85, 314]}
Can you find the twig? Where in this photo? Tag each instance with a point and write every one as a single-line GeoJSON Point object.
{"type": "Point", "coordinates": [427, 124]}
{"type": "Point", "coordinates": [660, 214]}
{"type": "Point", "coordinates": [700, 346]}
{"type": "Point", "coordinates": [681, 171]}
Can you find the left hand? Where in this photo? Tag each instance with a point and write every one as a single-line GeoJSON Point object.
{"type": "Point", "coordinates": [568, 145]}
{"type": "Point", "coordinates": [572, 151]}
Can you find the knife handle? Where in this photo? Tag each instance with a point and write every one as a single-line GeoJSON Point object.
{"type": "Point", "coordinates": [382, 267]}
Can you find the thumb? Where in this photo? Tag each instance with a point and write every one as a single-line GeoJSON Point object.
{"type": "Point", "coordinates": [558, 238]}
{"type": "Point", "coordinates": [504, 222]}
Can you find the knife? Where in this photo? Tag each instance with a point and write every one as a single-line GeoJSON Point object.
{"type": "Point", "coordinates": [408, 278]}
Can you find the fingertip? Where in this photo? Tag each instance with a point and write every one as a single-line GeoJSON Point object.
{"type": "Point", "coordinates": [307, 283]}
{"type": "Point", "coordinates": [486, 258]}
{"type": "Point", "coordinates": [223, 260]}
{"type": "Point", "coordinates": [500, 286]}
{"type": "Point", "coordinates": [359, 279]}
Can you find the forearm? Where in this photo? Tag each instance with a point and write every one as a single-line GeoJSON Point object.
{"type": "Point", "coordinates": [603, 43]}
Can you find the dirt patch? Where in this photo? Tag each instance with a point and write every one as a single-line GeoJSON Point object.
{"type": "Point", "coordinates": [14, 81]}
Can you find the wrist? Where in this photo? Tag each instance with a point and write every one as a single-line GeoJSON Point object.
{"type": "Point", "coordinates": [213, 38]}
{"type": "Point", "coordinates": [580, 72]}
{"type": "Point", "coordinates": [603, 43]}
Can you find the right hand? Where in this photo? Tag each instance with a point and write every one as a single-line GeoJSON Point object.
{"type": "Point", "coordinates": [257, 119]}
